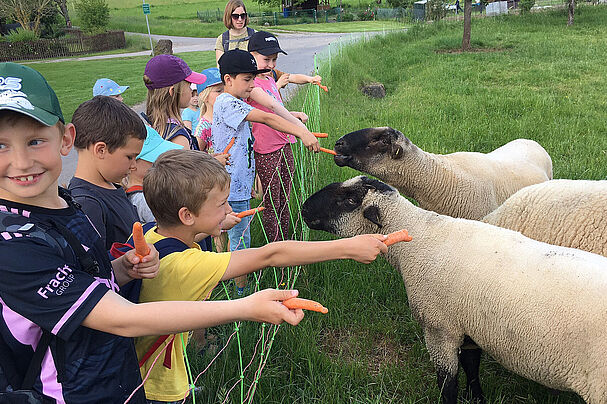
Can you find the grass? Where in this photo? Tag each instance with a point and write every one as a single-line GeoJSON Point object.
{"type": "Point", "coordinates": [125, 71]}
{"type": "Point", "coordinates": [354, 26]}
{"type": "Point", "coordinates": [536, 79]}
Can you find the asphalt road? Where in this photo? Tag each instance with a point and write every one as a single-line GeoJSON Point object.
{"type": "Point", "coordinates": [301, 48]}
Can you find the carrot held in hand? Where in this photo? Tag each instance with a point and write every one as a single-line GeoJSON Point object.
{"type": "Point", "coordinates": [322, 149]}
{"type": "Point", "coordinates": [250, 212]}
{"type": "Point", "coordinates": [229, 146]}
{"type": "Point", "coordinates": [320, 134]}
{"type": "Point", "coordinates": [305, 304]}
{"type": "Point", "coordinates": [141, 247]}
{"type": "Point", "coordinates": [397, 237]}
{"type": "Point", "coordinates": [321, 86]}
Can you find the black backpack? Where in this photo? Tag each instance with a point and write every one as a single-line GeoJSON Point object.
{"type": "Point", "coordinates": [225, 38]}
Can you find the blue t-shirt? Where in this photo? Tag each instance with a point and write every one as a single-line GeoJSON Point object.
{"type": "Point", "coordinates": [44, 287]}
{"type": "Point", "coordinates": [193, 116]}
{"type": "Point", "coordinates": [229, 122]}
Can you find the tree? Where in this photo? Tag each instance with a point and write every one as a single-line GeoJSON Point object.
{"type": "Point", "coordinates": [27, 13]}
{"type": "Point", "coordinates": [64, 12]}
{"type": "Point", "coordinates": [94, 15]}
{"type": "Point", "coordinates": [571, 7]}
{"type": "Point", "coordinates": [467, 25]}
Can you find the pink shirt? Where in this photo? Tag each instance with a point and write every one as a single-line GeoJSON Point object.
{"type": "Point", "coordinates": [268, 140]}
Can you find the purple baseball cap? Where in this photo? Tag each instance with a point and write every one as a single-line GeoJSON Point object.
{"type": "Point", "coordinates": [167, 70]}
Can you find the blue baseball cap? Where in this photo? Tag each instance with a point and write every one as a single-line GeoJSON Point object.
{"type": "Point", "coordinates": [107, 87]}
{"type": "Point", "coordinates": [213, 77]}
{"type": "Point", "coordinates": [155, 145]}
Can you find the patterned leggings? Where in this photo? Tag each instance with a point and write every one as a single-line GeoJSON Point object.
{"type": "Point", "coordinates": [275, 171]}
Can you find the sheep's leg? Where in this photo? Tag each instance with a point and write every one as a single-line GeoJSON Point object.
{"type": "Point", "coordinates": [443, 352]}
{"type": "Point", "coordinates": [470, 360]}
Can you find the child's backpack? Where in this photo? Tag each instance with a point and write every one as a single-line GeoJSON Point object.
{"type": "Point", "coordinates": [225, 38]}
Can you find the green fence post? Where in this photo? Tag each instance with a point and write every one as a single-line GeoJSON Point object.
{"type": "Point", "coordinates": [315, 20]}
{"type": "Point", "coordinates": [275, 18]}
{"type": "Point", "coordinates": [326, 16]}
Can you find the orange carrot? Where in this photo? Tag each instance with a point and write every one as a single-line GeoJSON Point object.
{"type": "Point", "coordinates": [321, 86]}
{"type": "Point", "coordinates": [397, 237]}
{"type": "Point", "coordinates": [141, 247]}
{"type": "Point", "coordinates": [229, 146]}
{"type": "Point", "coordinates": [250, 212]}
{"type": "Point", "coordinates": [305, 304]}
{"type": "Point", "coordinates": [322, 149]}
{"type": "Point", "coordinates": [318, 134]}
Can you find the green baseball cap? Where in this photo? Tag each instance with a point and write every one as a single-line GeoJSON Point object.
{"type": "Point", "coordinates": [24, 90]}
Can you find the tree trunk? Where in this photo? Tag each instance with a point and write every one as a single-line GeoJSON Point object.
{"type": "Point", "coordinates": [64, 12]}
{"type": "Point", "coordinates": [467, 24]}
{"type": "Point", "coordinates": [571, 12]}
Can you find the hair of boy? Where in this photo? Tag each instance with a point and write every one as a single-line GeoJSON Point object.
{"type": "Point", "coordinates": [162, 106]}
{"type": "Point", "coordinates": [13, 118]}
{"type": "Point", "coordinates": [105, 119]}
{"type": "Point", "coordinates": [181, 178]}
{"type": "Point", "coordinates": [227, 14]}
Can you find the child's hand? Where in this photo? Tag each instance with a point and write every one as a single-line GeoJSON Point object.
{"type": "Point", "coordinates": [316, 79]}
{"type": "Point", "coordinates": [310, 141]}
{"type": "Point", "coordinates": [145, 268]}
{"type": "Point", "coordinates": [366, 247]}
{"type": "Point", "coordinates": [265, 306]}
{"type": "Point", "coordinates": [300, 115]}
{"type": "Point", "coordinates": [283, 80]}
{"type": "Point", "coordinates": [223, 158]}
{"type": "Point", "coordinates": [230, 221]}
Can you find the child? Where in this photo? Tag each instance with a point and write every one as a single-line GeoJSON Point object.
{"type": "Point", "coordinates": [153, 147]}
{"type": "Point", "coordinates": [273, 156]}
{"type": "Point", "coordinates": [66, 290]}
{"type": "Point", "coordinates": [109, 136]}
{"type": "Point", "coordinates": [230, 115]}
{"type": "Point", "coordinates": [109, 88]}
{"type": "Point", "coordinates": [188, 191]}
{"type": "Point", "coordinates": [168, 79]}
{"type": "Point", "coordinates": [207, 93]}
{"type": "Point", "coordinates": [190, 114]}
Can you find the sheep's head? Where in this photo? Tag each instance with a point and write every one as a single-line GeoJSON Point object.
{"type": "Point", "coordinates": [348, 208]}
{"type": "Point", "coordinates": [371, 148]}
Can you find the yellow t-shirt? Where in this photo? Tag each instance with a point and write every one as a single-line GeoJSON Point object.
{"type": "Point", "coordinates": [187, 275]}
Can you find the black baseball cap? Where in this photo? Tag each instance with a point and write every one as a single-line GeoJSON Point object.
{"type": "Point", "coordinates": [264, 43]}
{"type": "Point", "coordinates": [238, 61]}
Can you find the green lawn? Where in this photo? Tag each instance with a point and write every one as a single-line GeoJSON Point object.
{"type": "Point", "coordinates": [353, 26]}
{"type": "Point", "coordinates": [538, 79]}
{"type": "Point", "coordinates": [125, 71]}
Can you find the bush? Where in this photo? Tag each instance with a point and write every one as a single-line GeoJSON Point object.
{"type": "Point", "coordinates": [346, 17]}
{"type": "Point", "coordinates": [21, 35]}
{"type": "Point", "coordinates": [400, 3]}
{"type": "Point", "coordinates": [435, 10]}
{"type": "Point", "coordinates": [94, 15]}
{"type": "Point", "coordinates": [366, 15]}
{"type": "Point", "coordinates": [525, 5]}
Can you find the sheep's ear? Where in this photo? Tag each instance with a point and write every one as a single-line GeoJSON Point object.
{"type": "Point", "coordinates": [372, 213]}
{"type": "Point", "coordinates": [397, 152]}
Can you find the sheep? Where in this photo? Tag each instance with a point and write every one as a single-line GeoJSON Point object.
{"type": "Point", "coordinates": [569, 213]}
{"type": "Point", "coordinates": [538, 309]}
{"type": "Point", "coordinates": [465, 184]}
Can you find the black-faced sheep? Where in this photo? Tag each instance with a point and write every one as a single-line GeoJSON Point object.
{"type": "Point", "coordinates": [569, 213]}
{"type": "Point", "coordinates": [539, 310]}
{"type": "Point", "coordinates": [464, 184]}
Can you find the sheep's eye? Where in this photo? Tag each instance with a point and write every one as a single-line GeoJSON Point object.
{"type": "Point", "coordinates": [350, 202]}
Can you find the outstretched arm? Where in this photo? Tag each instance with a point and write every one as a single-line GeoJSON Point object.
{"type": "Point", "coordinates": [276, 122]}
{"type": "Point", "coordinates": [116, 315]}
{"type": "Point", "coordinates": [363, 248]}
{"type": "Point", "coordinates": [304, 79]}
{"type": "Point", "coordinates": [263, 98]}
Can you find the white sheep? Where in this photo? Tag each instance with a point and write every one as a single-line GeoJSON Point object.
{"type": "Point", "coordinates": [569, 213]}
{"type": "Point", "coordinates": [540, 310]}
{"type": "Point", "coordinates": [464, 184]}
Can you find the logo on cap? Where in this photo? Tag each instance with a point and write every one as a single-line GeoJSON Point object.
{"type": "Point", "coordinates": [270, 38]}
{"type": "Point", "coordinates": [11, 95]}
{"type": "Point", "coordinates": [10, 83]}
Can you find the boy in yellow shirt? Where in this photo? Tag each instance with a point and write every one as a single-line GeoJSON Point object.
{"type": "Point", "coordinates": [187, 192]}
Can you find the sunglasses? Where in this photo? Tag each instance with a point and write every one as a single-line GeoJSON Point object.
{"type": "Point", "coordinates": [242, 16]}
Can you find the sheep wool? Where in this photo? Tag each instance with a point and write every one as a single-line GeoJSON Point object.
{"type": "Point", "coordinates": [538, 309]}
{"type": "Point", "coordinates": [569, 213]}
{"type": "Point", "coordinates": [464, 184]}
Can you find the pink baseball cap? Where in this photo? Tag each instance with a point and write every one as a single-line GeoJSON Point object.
{"type": "Point", "coordinates": [167, 70]}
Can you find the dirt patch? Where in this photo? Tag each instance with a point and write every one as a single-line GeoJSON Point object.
{"type": "Point", "coordinates": [471, 50]}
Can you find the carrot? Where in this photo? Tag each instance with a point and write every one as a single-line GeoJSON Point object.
{"type": "Point", "coordinates": [323, 135]}
{"type": "Point", "coordinates": [397, 237]}
{"type": "Point", "coordinates": [229, 146]}
{"type": "Point", "coordinates": [250, 212]}
{"type": "Point", "coordinates": [141, 247]}
{"type": "Point", "coordinates": [322, 149]}
{"type": "Point", "coordinates": [305, 304]}
{"type": "Point", "coordinates": [321, 86]}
